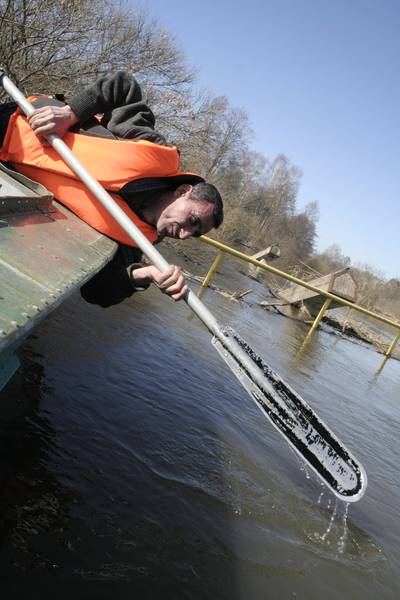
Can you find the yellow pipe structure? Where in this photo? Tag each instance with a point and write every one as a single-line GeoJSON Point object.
{"type": "Point", "coordinates": [380, 368]}
{"type": "Point", "coordinates": [388, 353]}
{"type": "Point", "coordinates": [236, 253]}
{"type": "Point", "coordinates": [318, 318]}
{"type": "Point", "coordinates": [293, 279]}
{"type": "Point", "coordinates": [213, 268]}
{"type": "Point", "coordinates": [392, 345]}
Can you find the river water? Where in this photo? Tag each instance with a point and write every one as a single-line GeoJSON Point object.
{"type": "Point", "coordinates": [134, 465]}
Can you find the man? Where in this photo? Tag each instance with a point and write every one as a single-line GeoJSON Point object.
{"type": "Point", "coordinates": [167, 203]}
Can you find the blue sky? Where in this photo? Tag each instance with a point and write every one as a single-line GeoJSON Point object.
{"type": "Point", "coordinates": [320, 82]}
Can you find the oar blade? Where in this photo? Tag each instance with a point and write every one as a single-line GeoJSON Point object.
{"type": "Point", "coordinates": [293, 418]}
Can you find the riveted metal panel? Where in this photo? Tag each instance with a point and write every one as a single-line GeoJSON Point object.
{"type": "Point", "coordinates": [46, 253]}
{"type": "Point", "coordinates": [20, 194]}
{"type": "Point", "coordinates": [37, 246]}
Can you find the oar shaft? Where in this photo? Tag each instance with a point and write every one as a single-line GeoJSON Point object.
{"type": "Point", "coordinates": [278, 402]}
{"type": "Point", "coordinates": [112, 207]}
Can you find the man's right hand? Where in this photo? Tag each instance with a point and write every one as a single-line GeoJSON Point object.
{"type": "Point", "coordinates": [53, 119]}
{"type": "Point", "coordinates": [170, 282]}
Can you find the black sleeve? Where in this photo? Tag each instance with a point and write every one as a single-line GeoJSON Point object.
{"type": "Point", "coordinates": [118, 97]}
{"type": "Point", "coordinates": [108, 92]}
{"type": "Point", "coordinates": [6, 110]}
{"type": "Point", "coordinates": [113, 283]}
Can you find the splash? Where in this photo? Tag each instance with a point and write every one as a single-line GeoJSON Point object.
{"type": "Point", "coordinates": [337, 521]}
{"type": "Point", "coordinates": [342, 540]}
{"type": "Point", "coordinates": [327, 532]}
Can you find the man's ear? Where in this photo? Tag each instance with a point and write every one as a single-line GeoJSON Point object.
{"type": "Point", "coordinates": [183, 189]}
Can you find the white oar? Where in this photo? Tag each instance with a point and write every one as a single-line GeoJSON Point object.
{"type": "Point", "coordinates": [286, 410]}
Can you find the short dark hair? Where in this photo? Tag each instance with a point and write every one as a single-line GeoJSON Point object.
{"type": "Point", "coordinates": [207, 192]}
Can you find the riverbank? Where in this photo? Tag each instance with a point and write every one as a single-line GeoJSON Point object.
{"type": "Point", "coordinates": [197, 259]}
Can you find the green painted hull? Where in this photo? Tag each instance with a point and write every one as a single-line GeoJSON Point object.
{"type": "Point", "coordinates": [46, 253]}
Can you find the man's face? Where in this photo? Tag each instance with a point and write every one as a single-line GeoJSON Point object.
{"type": "Point", "coordinates": [185, 218]}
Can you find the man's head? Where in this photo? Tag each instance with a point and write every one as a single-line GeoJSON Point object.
{"type": "Point", "coordinates": [190, 210]}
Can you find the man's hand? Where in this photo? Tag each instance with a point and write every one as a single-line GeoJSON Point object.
{"type": "Point", "coordinates": [170, 282]}
{"type": "Point", "coordinates": [53, 119]}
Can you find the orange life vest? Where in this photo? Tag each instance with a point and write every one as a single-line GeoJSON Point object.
{"type": "Point", "coordinates": [112, 162]}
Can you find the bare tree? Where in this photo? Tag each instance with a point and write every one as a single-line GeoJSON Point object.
{"type": "Point", "coordinates": [56, 47]}
{"type": "Point", "coordinates": [59, 47]}
{"type": "Point", "coordinates": [214, 136]}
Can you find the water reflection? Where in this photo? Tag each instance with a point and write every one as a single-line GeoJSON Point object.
{"type": "Point", "coordinates": [31, 504]}
{"type": "Point", "coordinates": [119, 472]}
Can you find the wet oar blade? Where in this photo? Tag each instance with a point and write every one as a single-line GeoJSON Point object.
{"type": "Point", "coordinates": [292, 416]}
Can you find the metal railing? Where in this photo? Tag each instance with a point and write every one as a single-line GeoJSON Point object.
{"type": "Point", "coordinates": [223, 249]}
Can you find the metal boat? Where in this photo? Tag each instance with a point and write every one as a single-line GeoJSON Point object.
{"type": "Point", "coordinates": [46, 254]}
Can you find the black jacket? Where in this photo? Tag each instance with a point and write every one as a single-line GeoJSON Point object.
{"type": "Point", "coordinates": [125, 115]}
